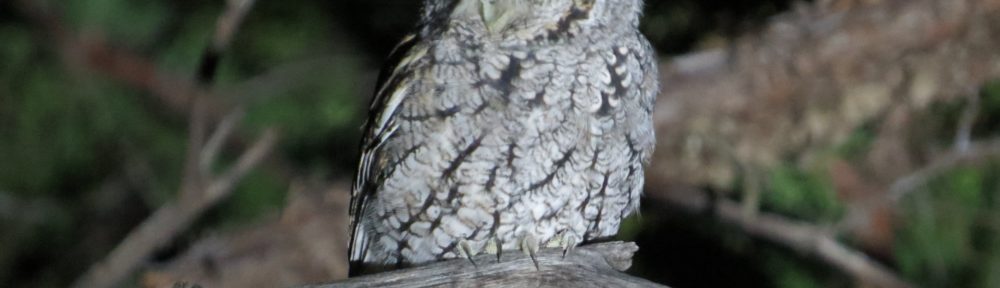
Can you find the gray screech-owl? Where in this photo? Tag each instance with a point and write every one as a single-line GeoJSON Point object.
{"type": "Point", "coordinates": [504, 125]}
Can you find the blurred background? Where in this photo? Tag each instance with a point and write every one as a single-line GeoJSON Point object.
{"type": "Point", "coordinates": [833, 143]}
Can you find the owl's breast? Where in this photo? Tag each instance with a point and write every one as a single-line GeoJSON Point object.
{"type": "Point", "coordinates": [495, 141]}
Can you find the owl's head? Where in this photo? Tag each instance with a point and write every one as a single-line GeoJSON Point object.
{"type": "Point", "coordinates": [503, 15]}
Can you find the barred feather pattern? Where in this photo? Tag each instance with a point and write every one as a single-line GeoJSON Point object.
{"type": "Point", "coordinates": [494, 126]}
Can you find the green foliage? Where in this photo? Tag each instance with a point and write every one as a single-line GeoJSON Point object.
{"type": "Point", "coordinates": [134, 23]}
{"type": "Point", "coordinates": [66, 134]}
{"type": "Point", "coordinates": [182, 50]}
{"type": "Point", "coordinates": [949, 232]}
{"type": "Point", "coordinates": [857, 143]}
{"type": "Point", "coordinates": [989, 266]}
{"type": "Point", "coordinates": [787, 273]}
{"type": "Point", "coordinates": [677, 26]}
{"type": "Point", "coordinates": [988, 124]}
{"type": "Point", "coordinates": [944, 242]}
{"type": "Point", "coordinates": [630, 227]}
{"type": "Point", "coordinates": [259, 194]}
{"type": "Point", "coordinates": [991, 94]}
{"type": "Point", "coordinates": [806, 195]}
{"type": "Point", "coordinates": [307, 110]}
{"type": "Point", "coordinates": [16, 52]}
{"type": "Point", "coordinates": [49, 131]}
{"type": "Point", "coordinates": [282, 33]}
{"type": "Point", "coordinates": [671, 22]}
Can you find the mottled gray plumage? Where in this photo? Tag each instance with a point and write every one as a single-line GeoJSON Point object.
{"type": "Point", "coordinates": [505, 125]}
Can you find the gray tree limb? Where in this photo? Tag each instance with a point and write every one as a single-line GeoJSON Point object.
{"type": "Point", "coordinates": [596, 265]}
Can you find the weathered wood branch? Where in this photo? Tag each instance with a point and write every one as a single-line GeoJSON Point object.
{"type": "Point", "coordinates": [801, 237]}
{"type": "Point", "coordinates": [596, 265]}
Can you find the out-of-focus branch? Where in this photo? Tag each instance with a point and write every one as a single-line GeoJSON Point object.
{"type": "Point", "coordinates": [94, 53]}
{"type": "Point", "coordinates": [214, 144]}
{"type": "Point", "coordinates": [199, 190]}
{"type": "Point", "coordinates": [963, 134]}
{"type": "Point", "coordinates": [229, 23]}
{"type": "Point", "coordinates": [305, 244]}
{"type": "Point", "coordinates": [801, 85]}
{"type": "Point", "coordinates": [225, 29]}
{"type": "Point", "coordinates": [976, 152]}
{"type": "Point", "coordinates": [800, 237]}
{"type": "Point", "coordinates": [170, 220]}
{"type": "Point", "coordinates": [811, 77]}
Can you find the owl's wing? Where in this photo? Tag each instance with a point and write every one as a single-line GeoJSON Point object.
{"type": "Point", "coordinates": [389, 93]}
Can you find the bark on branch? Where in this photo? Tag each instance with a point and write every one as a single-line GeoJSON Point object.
{"type": "Point", "coordinates": [596, 265]}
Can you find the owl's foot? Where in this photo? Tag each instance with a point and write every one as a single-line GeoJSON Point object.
{"type": "Point", "coordinates": [529, 245]}
{"type": "Point", "coordinates": [466, 249]}
{"type": "Point", "coordinates": [494, 246]}
{"type": "Point", "coordinates": [565, 240]}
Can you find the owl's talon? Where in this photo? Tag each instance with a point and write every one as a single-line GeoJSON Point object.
{"type": "Point", "coordinates": [530, 247]}
{"type": "Point", "coordinates": [494, 246]}
{"type": "Point", "coordinates": [466, 249]}
{"type": "Point", "coordinates": [565, 240]}
{"type": "Point", "coordinates": [556, 241]}
{"type": "Point", "coordinates": [568, 244]}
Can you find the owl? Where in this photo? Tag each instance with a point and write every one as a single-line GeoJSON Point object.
{"type": "Point", "coordinates": [504, 125]}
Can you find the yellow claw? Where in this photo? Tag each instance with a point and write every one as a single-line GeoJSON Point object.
{"type": "Point", "coordinates": [530, 247]}
{"type": "Point", "coordinates": [494, 246]}
{"type": "Point", "coordinates": [466, 249]}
